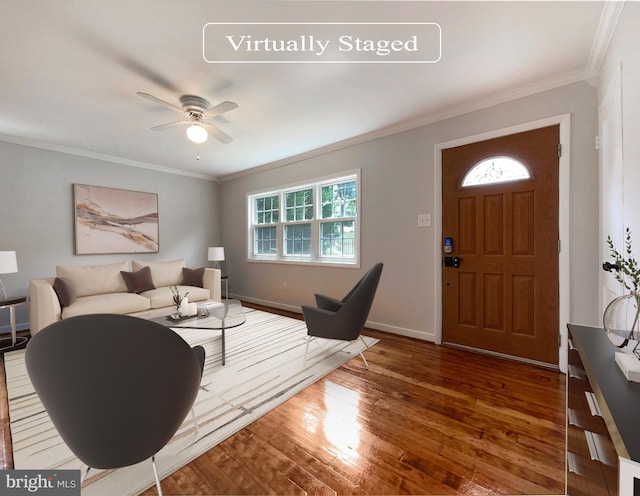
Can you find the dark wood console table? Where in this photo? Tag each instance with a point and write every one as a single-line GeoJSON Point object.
{"type": "Point", "coordinates": [603, 418]}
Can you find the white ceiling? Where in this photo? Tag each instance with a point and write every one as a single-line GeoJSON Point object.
{"type": "Point", "coordinates": [70, 70]}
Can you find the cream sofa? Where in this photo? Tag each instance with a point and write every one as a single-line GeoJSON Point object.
{"type": "Point", "coordinates": [103, 289]}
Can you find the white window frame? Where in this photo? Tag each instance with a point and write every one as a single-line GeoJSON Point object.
{"type": "Point", "coordinates": [314, 258]}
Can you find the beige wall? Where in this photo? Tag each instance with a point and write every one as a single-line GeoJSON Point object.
{"type": "Point", "coordinates": [398, 183]}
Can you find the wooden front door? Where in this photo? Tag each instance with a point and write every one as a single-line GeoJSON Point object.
{"type": "Point", "coordinates": [500, 279]}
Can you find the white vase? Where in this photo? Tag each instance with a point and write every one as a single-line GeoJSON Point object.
{"type": "Point", "coordinates": [182, 309]}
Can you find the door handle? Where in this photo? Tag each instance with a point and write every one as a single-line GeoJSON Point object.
{"type": "Point", "coordinates": [452, 262]}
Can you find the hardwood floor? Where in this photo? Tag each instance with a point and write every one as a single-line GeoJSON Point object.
{"type": "Point", "coordinates": [424, 419]}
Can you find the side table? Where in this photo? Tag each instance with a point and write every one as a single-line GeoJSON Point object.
{"type": "Point", "coordinates": [11, 304]}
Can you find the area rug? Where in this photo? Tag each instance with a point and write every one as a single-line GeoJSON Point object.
{"type": "Point", "coordinates": [266, 365]}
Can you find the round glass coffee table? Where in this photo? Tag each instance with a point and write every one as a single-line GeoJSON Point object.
{"type": "Point", "coordinates": [218, 315]}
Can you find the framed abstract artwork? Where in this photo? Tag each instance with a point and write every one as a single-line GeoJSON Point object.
{"type": "Point", "coordinates": [109, 220]}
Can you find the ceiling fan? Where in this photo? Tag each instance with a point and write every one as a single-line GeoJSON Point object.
{"type": "Point", "coordinates": [197, 110]}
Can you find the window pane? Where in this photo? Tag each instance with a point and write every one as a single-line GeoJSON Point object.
{"type": "Point", "coordinates": [339, 200]}
{"type": "Point", "coordinates": [265, 241]}
{"type": "Point", "coordinates": [495, 170]}
{"type": "Point", "coordinates": [337, 239]}
{"type": "Point", "coordinates": [297, 239]}
{"type": "Point", "coordinates": [299, 205]}
{"type": "Point", "coordinates": [315, 222]}
{"type": "Point", "coordinates": [267, 210]}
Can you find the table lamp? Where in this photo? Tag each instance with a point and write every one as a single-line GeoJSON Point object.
{"type": "Point", "coordinates": [9, 265]}
{"type": "Point", "coordinates": [216, 255]}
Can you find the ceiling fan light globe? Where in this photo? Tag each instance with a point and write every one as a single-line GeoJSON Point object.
{"type": "Point", "coordinates": [197, 133]}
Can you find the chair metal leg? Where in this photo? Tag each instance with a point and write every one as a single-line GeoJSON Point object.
{"type": "Point", "coordinates": [84, 476]}
{"type": "Point", "coordinates": [195, 420]}
{"type": "Point", "coordinates": [366, 364]}
{"type": "Point", "coordinates": [306, 349]}
{"type": "Point", "coordinates": [155, 473]}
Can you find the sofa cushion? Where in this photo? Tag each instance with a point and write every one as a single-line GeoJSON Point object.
{"type": "Point", "coordinates": [192, 277]}
{"type": "Point", "coordinates": [107, 303]}
{"type": "Point", "coordinates": [162, 297]}
{"type": "Point", "coordinates": [138, 281]}
{"type": "Point", "coordinates": [65, 291]}
{"type": "Point", "coordinates": [94, 279]}
{"type": "Point", "coordinates": [163, 273]}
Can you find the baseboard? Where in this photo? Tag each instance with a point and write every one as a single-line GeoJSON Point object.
{"type": "Point", "coordinates": [267, 303]}
{"type": "Point", "coordinates": [402, 331]}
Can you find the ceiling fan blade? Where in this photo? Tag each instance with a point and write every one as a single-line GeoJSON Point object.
{"type": "Point", "coordinates": [221, 108]}
{"type": "Point", "coordinates": [218, 133]}
{"type": "Point", "coordinates": [161, 102]}
{"type": "Point", "coordinates": [169, 125]}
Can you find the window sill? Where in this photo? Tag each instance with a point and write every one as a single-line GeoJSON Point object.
{"type": "Point", "coordinates": [352, 264]}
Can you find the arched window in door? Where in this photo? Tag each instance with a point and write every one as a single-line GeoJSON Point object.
{"type": "Point", "coordinates": [495, 170]}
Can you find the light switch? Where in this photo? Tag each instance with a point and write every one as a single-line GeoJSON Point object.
{"type": "Point", "coordinates": [424, 220]}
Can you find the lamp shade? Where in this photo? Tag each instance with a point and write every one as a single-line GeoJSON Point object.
{"type": "Point", "coordinates": [9, 264]}
{"type": "Point", "coordinates": [215, 254]}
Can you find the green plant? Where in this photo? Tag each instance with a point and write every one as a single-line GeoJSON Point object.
{"type": "Point", "coordinates": [626, 266]}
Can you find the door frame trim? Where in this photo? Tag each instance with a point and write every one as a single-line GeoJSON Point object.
{"type": "Point", "coordinates": [564, 255]}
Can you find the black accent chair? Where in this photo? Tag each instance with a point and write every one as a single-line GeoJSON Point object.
{"type": "Point", "coordinates": [343, 319]}
{"type": "Point", "coordinates": [116, 387]}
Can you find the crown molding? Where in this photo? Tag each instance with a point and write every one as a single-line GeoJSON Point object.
{"type": "Point", "coordinates": [611, 11]}
{"type": "Point", "coordinates": [496, 98]}
{"type": "Point", "coordinates": [43, 145]}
